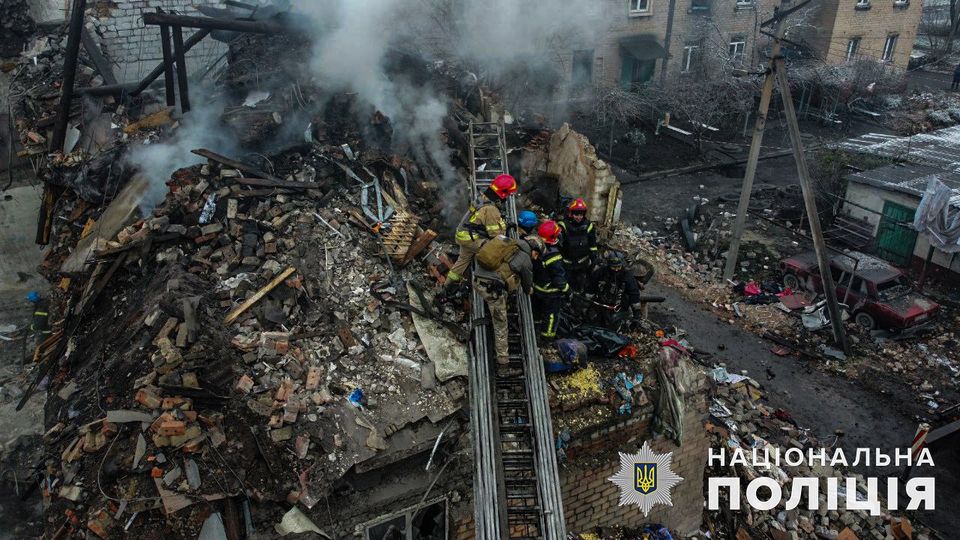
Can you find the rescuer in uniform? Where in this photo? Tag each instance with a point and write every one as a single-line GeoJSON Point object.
{"type": "Point", "coordinates": [482, 221]}
{"type": "Point", "coordinates": [578, 244]}
{"type": "Point", "coordinates": [504, 265]}
{"type": "Point", "coordinates": [527, 222]}
{"type": "Point", "coordinates": [549, 280]}
{"type": "Point", "coordinates": [614, 285]}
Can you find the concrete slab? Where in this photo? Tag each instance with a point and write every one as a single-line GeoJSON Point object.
{"type": "Point", "coordinates": [19, 255]}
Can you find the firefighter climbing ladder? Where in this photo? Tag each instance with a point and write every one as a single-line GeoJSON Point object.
{"type": "Point", "coordinates": [516, 485]}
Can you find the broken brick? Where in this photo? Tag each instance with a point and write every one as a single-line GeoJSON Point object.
{"type": "Point", "coordinates": [171, 428]}
{"type": "Point", "coordinates": [245, 384]}
{"type": "Point", "coordinates": [313, 377]}
{"type": "Point", "coordinates": [148, 399]}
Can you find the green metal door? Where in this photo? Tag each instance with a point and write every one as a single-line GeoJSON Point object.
{"type": "Point", "coordinates": [895, 239]}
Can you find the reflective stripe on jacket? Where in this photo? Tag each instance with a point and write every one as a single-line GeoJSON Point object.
{"type": "Point", "coordinates": [549, 274]}
{"type": "Point", "coordinates": [578, 242]}
{"type": "Point", "coordinates": [482, 220]}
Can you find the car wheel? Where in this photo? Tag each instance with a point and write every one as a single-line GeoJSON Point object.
{"type": "Point", "coordinates": [791, 281]}
{"type": "Point", "coordinates": [864, 320]}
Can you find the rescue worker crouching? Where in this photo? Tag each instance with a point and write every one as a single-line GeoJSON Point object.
{"type": "Point", "coordinates": [482, 221]}
{"type": "Point", "coordinates": [503, 266]}
{"type": "Point", "coordinates": [549, 280]}
{"type": "Point", "coordinates": [614, 285]}
{"type": "Point", "coordinates": [578, 244]}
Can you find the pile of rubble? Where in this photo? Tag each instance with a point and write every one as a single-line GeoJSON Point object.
{"type": "Point", "coordinates": [212, 370]}
{"type": "Point", "coordinates": [740, 420]}
{"type": "Point", "coordinates": [927, 371]}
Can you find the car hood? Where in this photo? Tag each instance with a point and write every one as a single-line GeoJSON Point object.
{"type": "Point", "coordinates": [911, 305]}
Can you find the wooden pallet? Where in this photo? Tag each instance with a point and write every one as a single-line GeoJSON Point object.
{"type": "Point", "coordinates": [402, 231]}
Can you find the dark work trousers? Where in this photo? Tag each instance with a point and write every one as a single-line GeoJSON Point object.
{"type": "Point", "coordinates": [577, 274]}
{"type": "Point", "coordinates": [546, 308]}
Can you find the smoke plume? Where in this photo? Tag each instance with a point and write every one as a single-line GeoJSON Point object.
{"type": "Point", "coordinates": [199, 128]}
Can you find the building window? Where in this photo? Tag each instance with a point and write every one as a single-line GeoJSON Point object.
{"type": "Point", "coordinates": [736, 49]}
{"type": "Point", "coordinates": [699, 6]}
{"type": "Point", "coordinates": [853, 47]}
{"type": "Point", "coordinates": [863, 4]}
{"type": "Point", "coordinates": [691, 58]}
{"type": "Point", "coordinates": [582, 68]}
{"type": "Point", "coordinates": [889, 47]}
{"type": "Point", "coordinates": [414, 523]}
{"type": "Point", "coordinates": [639, 7]}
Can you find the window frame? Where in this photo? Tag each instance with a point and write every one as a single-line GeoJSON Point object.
{"type": "Point", "coordinates": [889, 47]}
{"type": "Point", "coordinates": [737, 57]}
{"type": "Point", "coordinates": [705, 7]}
{"type": "Point", "coordinates": [581, 54]}
{"type": "Point", "coordinates": [854, 42]}
{"type": "Point", "coordinates": [639, 12]}
{"type": "Point", "coordinates": [686, 60]}
{"type": "Point", "coordinates": [408, 514]}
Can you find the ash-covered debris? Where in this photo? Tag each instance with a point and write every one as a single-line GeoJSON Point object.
{"type": "Point", "coordinates": [250, 327]}
{"type": "Point", "coordinates": [314, 377]}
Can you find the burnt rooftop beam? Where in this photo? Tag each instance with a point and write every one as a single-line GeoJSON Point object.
{"type": "Point", "coordinates": [211, 23]}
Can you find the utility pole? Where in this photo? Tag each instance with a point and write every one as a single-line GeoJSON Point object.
{"type": "Point", "coordinates": [754, 155]}
{"type": "Point", "coordinates": [777, 73]}
{"type": "Point", "coordinates": [810, 205]}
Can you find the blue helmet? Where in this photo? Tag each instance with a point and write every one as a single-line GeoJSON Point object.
{"type": "Point", "coordinates": [527, 219]}
{"type": "Point", "coordinates": [33, 297]}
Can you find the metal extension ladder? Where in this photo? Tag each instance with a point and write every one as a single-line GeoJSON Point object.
{"type": "Point", "coordinates": [516, 484]}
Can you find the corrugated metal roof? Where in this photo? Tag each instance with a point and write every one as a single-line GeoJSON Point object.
{"type": "Point", "coordinates": [928, 155]}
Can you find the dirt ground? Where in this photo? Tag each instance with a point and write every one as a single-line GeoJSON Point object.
{"type": "Point", "coordinates": [866, 418]}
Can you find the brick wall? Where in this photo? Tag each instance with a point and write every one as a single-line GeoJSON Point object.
{"type": "Point", "coordinates": [590, 500]}
{"type": "Point", "coordinates": [835, 24]}
{"type": "Point", "coordinates": [135, 48]}
{"type": "Point", "coordinates": [712, 29]}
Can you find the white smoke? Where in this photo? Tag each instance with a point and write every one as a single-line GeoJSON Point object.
{"type": "Point", "coordinates": [353, 38]}
{"type": "Point", "coordinates": [158, 161]}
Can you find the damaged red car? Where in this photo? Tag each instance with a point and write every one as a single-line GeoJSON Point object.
{"type": "Point", "coordinates": [878, 294]}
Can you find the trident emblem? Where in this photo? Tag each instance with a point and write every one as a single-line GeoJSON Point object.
{"type": "Point", "coordinates": [645, 476]}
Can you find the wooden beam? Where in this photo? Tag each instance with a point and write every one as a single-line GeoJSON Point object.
{"type": "Point", "coordinates": [419, 245]}
{"type": "Point", "coordinates": [167, 65]}
{"type": "Point", "coordinates": [240, 166]}
{"type": "Point", "coordinates": [277, 183]}
{"type": "Point", "coordinates": [810, 204]}
{"type": "Point", "coordinates": [235, 25]}
{"type": "Point", "coordinates": [99, 61]}
{"type": "Point", "coordinates": [237, 311]}
{"type": "Point", "coordinates": [754, 155]}
{"type": "Point", "coordinates": [69, 75]}
{"type": "Point", "coordinates": [179, 53]}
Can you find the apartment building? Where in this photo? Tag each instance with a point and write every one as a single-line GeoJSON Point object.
{"type": "Point", "coordinates": [848, 30]}
{"type": "Point", "coordinates": [666, 40]}
{"type": "Point", "coordinates": [713, 37]}
{"type": "Point", "coordinates": [629, 47]}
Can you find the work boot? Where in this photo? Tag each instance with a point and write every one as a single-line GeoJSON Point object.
{"type": "Point", "coordinates": [447, 292]}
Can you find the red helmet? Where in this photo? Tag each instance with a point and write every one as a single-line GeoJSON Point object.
{"type": "Point", "coordinates": [549, 231]}
{"type": "Point", "coordinates": [577, 206]}
{"type": "Point", "coordinates": [504, 186]}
